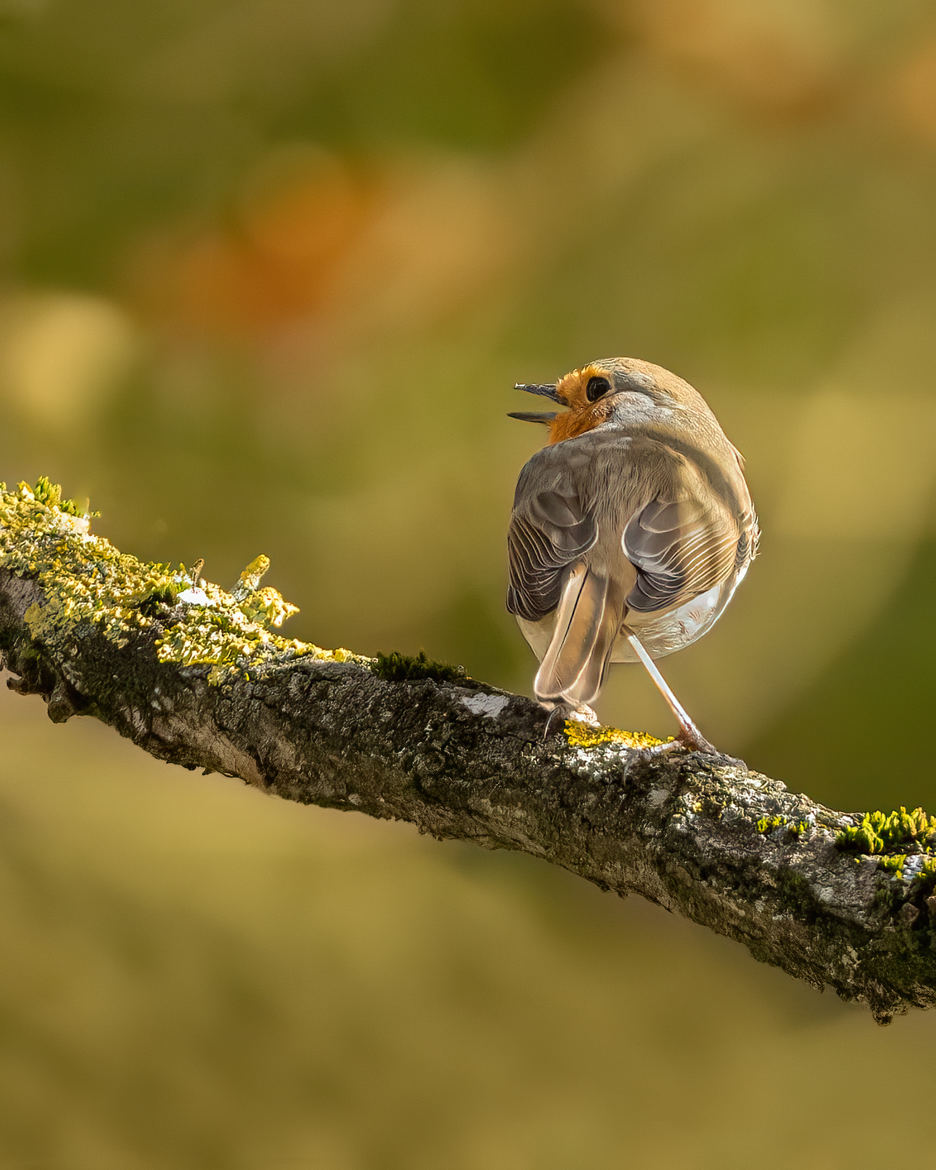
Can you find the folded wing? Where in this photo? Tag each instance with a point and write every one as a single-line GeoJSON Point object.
{"type": "Point", "coordinates": [550, 529]}
{"type": "Point", "coordinates": [686, 540]}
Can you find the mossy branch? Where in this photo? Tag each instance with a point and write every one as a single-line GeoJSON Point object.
{"type": "Point", "coordinates": [197, 676]}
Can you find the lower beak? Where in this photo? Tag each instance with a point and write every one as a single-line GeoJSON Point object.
{"type": "Point", "coordinates": [527, 416]}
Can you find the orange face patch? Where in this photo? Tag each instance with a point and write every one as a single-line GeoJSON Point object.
{"type": "Point", "coordinates": [582, 415]}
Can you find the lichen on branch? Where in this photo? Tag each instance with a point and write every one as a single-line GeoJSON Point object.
{"type": "Point", "coordinates": [84, 579]}
{"type": "Point", "coordinates": [201, 677]}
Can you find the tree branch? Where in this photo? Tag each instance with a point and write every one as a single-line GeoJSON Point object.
{"type": "Point", "coordinates": [196, 676]}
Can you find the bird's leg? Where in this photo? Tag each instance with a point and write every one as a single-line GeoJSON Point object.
{"type": "Point", "coordinates": [689, 735]}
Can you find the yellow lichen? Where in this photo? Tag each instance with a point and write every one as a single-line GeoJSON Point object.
{"type": "Point", "coordinates": [86, 580]}
{"type": "Point", "coordinates": [266, 606]}
{"type": "Point", "coordinates": [584, 735]}
{"type": "Point", "coordinates": [250, 578]}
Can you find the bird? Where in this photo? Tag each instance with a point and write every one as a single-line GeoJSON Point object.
{"type": "Point", "coordinates": [629, 533]}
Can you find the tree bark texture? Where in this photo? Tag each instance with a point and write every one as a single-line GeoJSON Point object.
{"type": "Point", "coordinates": [826, 896]}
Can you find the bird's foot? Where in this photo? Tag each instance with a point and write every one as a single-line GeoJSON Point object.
{"type": "Point", "coordinates": [563, 711]}
{"type": "Point", "coordinates": [582, 714]}
{"type": "Point", "coordinates": [690, 739]}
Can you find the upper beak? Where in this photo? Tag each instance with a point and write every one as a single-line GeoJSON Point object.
{"type": "Point", "coordinates": [548, 391]}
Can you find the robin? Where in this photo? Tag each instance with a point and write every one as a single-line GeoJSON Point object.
{"type": "Point", "coordinates": [630, 531]}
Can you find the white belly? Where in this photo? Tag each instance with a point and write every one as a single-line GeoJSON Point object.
{"type": "Point", "coordinates": [663, 634]}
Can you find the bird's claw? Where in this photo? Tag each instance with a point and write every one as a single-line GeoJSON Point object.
{"type": "Point", "coordinates": [688, 741]}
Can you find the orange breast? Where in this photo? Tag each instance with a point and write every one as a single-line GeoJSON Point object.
{"type": "Point", "coordinates": [577, 420]}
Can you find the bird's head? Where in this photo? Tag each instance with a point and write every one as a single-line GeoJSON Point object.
{"type": "Point", "coordinates": [595, 393]}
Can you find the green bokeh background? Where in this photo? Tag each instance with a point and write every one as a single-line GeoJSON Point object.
{"type": "Point", "coordinates": [268, 272]}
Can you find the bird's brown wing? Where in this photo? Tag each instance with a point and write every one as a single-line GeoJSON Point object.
{"type": "Point", "coordinates": [681, 546]}
{"type": "Point", "coordinates": [550, 529]}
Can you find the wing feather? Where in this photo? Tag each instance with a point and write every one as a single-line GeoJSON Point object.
{"type": "Point", "coordinates": [681, 548]}
{"type": "Point", "coordinates": [682, 540]}
{"type": "Point", "coordinates": [550, 529]}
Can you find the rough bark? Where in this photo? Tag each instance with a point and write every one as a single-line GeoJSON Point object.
{"type": "Point", "coordinates": [701, 835]}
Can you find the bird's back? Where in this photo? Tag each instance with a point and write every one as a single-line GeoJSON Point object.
{"type": "Point", "coordinates": [646, 520]}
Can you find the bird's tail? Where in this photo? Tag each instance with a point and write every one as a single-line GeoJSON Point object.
{"type": "Point", "coordinates": [588, 620]}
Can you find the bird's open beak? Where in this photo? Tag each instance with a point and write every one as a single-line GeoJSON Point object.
{"type": "Point", "coordinates": [548, 391]}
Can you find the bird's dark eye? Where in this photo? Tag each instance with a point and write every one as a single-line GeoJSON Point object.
{"type": "Point", "coordinates": [595, 387]}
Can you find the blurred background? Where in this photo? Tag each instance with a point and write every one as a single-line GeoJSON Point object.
{"type": "Point", "coordinates": [268, 272]}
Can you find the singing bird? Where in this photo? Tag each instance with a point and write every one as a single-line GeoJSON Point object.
{"type": "Point", "coordinates": [630, 531]}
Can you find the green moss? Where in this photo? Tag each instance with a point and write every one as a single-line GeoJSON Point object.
{"type": "Point", "coordinates": [894, 862]}
{"type": "Point", "coordinates": [49, 493]}
{"type": "Point", "coordinates": [879, 832]}
{"type": "Point", "coordinates": [792, 828]}
{"type": "Point", "coordinates": [897, 863]}
{"type": "Point", "coordinates": [398, 667]}
{"type": "Point", "coordinates": [159, 598]}
{"type": "Point", "coordinates": [798, 894]}
{"type": "Point", "coordinates": [86, 581]}
{"type": "Point", "coordinates": [904, 846]}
